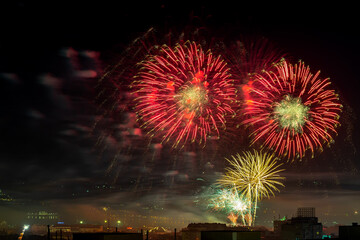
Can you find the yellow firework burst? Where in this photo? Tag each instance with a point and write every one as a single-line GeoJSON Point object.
{"type": "Point", "coordinates": [255, 175]}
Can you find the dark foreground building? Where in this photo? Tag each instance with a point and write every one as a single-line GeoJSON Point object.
{"type": "Point", "coordinates": [230, 235]}
{"type": "Point", "coordinates": [107, 236]}
{"type": "Point", "coordinates": [303, 227]}
{"type": "Point", "coordinates": [217, 231]}
{"type": "Point", "coordinates": [349, 232]}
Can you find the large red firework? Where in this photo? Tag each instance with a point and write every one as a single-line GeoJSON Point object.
{"type": "Point", "coordinates": [184, 94]}
{"type": "Point", "coordinates": [291, 110]}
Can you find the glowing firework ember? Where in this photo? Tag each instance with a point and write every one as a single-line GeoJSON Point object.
{"type": "Point", "coordinates": [184, 94]}
{"type": "Point", "coordinates": [232, 203]}
{"type": "Point", "coordinates": [291, 110]}
{"type": "Point", "coordinates": [233, 218]}
{"type": "Point", "coordinates": [255, 176]}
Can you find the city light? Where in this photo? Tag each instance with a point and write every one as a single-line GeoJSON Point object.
{"type": "Point", "coordinates": [26, 227]}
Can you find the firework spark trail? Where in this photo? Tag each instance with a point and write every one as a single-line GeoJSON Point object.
{"type": "Point", "coordinates": [184, 94]}
{"type": "Point", "coordinates": [255, 175]}
{"type": "Point", "coordinates": [250, 55]}
{"type": "Point", "coordinates": [231, 202]}
{"type": "Point", "coordinates": [290, 110]}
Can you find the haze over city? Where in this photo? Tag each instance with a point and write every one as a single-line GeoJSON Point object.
{"type": "Point", "coordinates": [61, 152]}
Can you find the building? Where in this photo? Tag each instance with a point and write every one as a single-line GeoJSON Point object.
{"type": "Point", "coordinates": [107, 236]}
{"type": "Point", "coordinates": [42, 217]}
{"type": "Point", "coordinates": [63, 230]}
{"type": "Point", "coordinates": [78, 228]}
{"type": "Point", "coordinates": [135, 220]}
{"type": "Point", "coordinates": [212, 231]}
{"type": "Point", "coordinates": [36, 229]}
{"type": "Point", "coordinates": [304, 226]}
{"type": "Point", "coordinates": [349, 232]}
{"type": "Point", "coordinates": [306, 212]}
{"type": "Point", "coordinates": [230, 235]}
{"type": "Point", "coordinates": [193, 230]}
{"type": "Point", "coordinates": [278, 225]}
{"type": "Point", "coordinates": [301, 228]}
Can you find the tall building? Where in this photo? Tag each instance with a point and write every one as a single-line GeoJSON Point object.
{"type": "Point", "coordinates": [304, 226]}
{"type": "Point", "coordinates": [301, 228]}
{"type": "Point", "coordinates": [306, 212]}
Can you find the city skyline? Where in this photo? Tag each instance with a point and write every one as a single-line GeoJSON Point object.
{"type": "Point", "coordinates": [50, 156]}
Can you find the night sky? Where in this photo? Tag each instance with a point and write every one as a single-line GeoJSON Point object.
{"type": "Point", "coordinates": [59, 152]}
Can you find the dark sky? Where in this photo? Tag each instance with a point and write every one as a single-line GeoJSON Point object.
{"type": "Point", "coordinates": [52, 157]}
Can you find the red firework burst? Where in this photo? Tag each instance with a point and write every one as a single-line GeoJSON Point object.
{"type": "Point", "coordinates": [184, 94]}
{"type": "Point", "coordinates": [291, 110]}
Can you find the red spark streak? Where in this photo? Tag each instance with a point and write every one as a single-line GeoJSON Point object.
{"type": "Point", "coordinates": [269, 88]}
